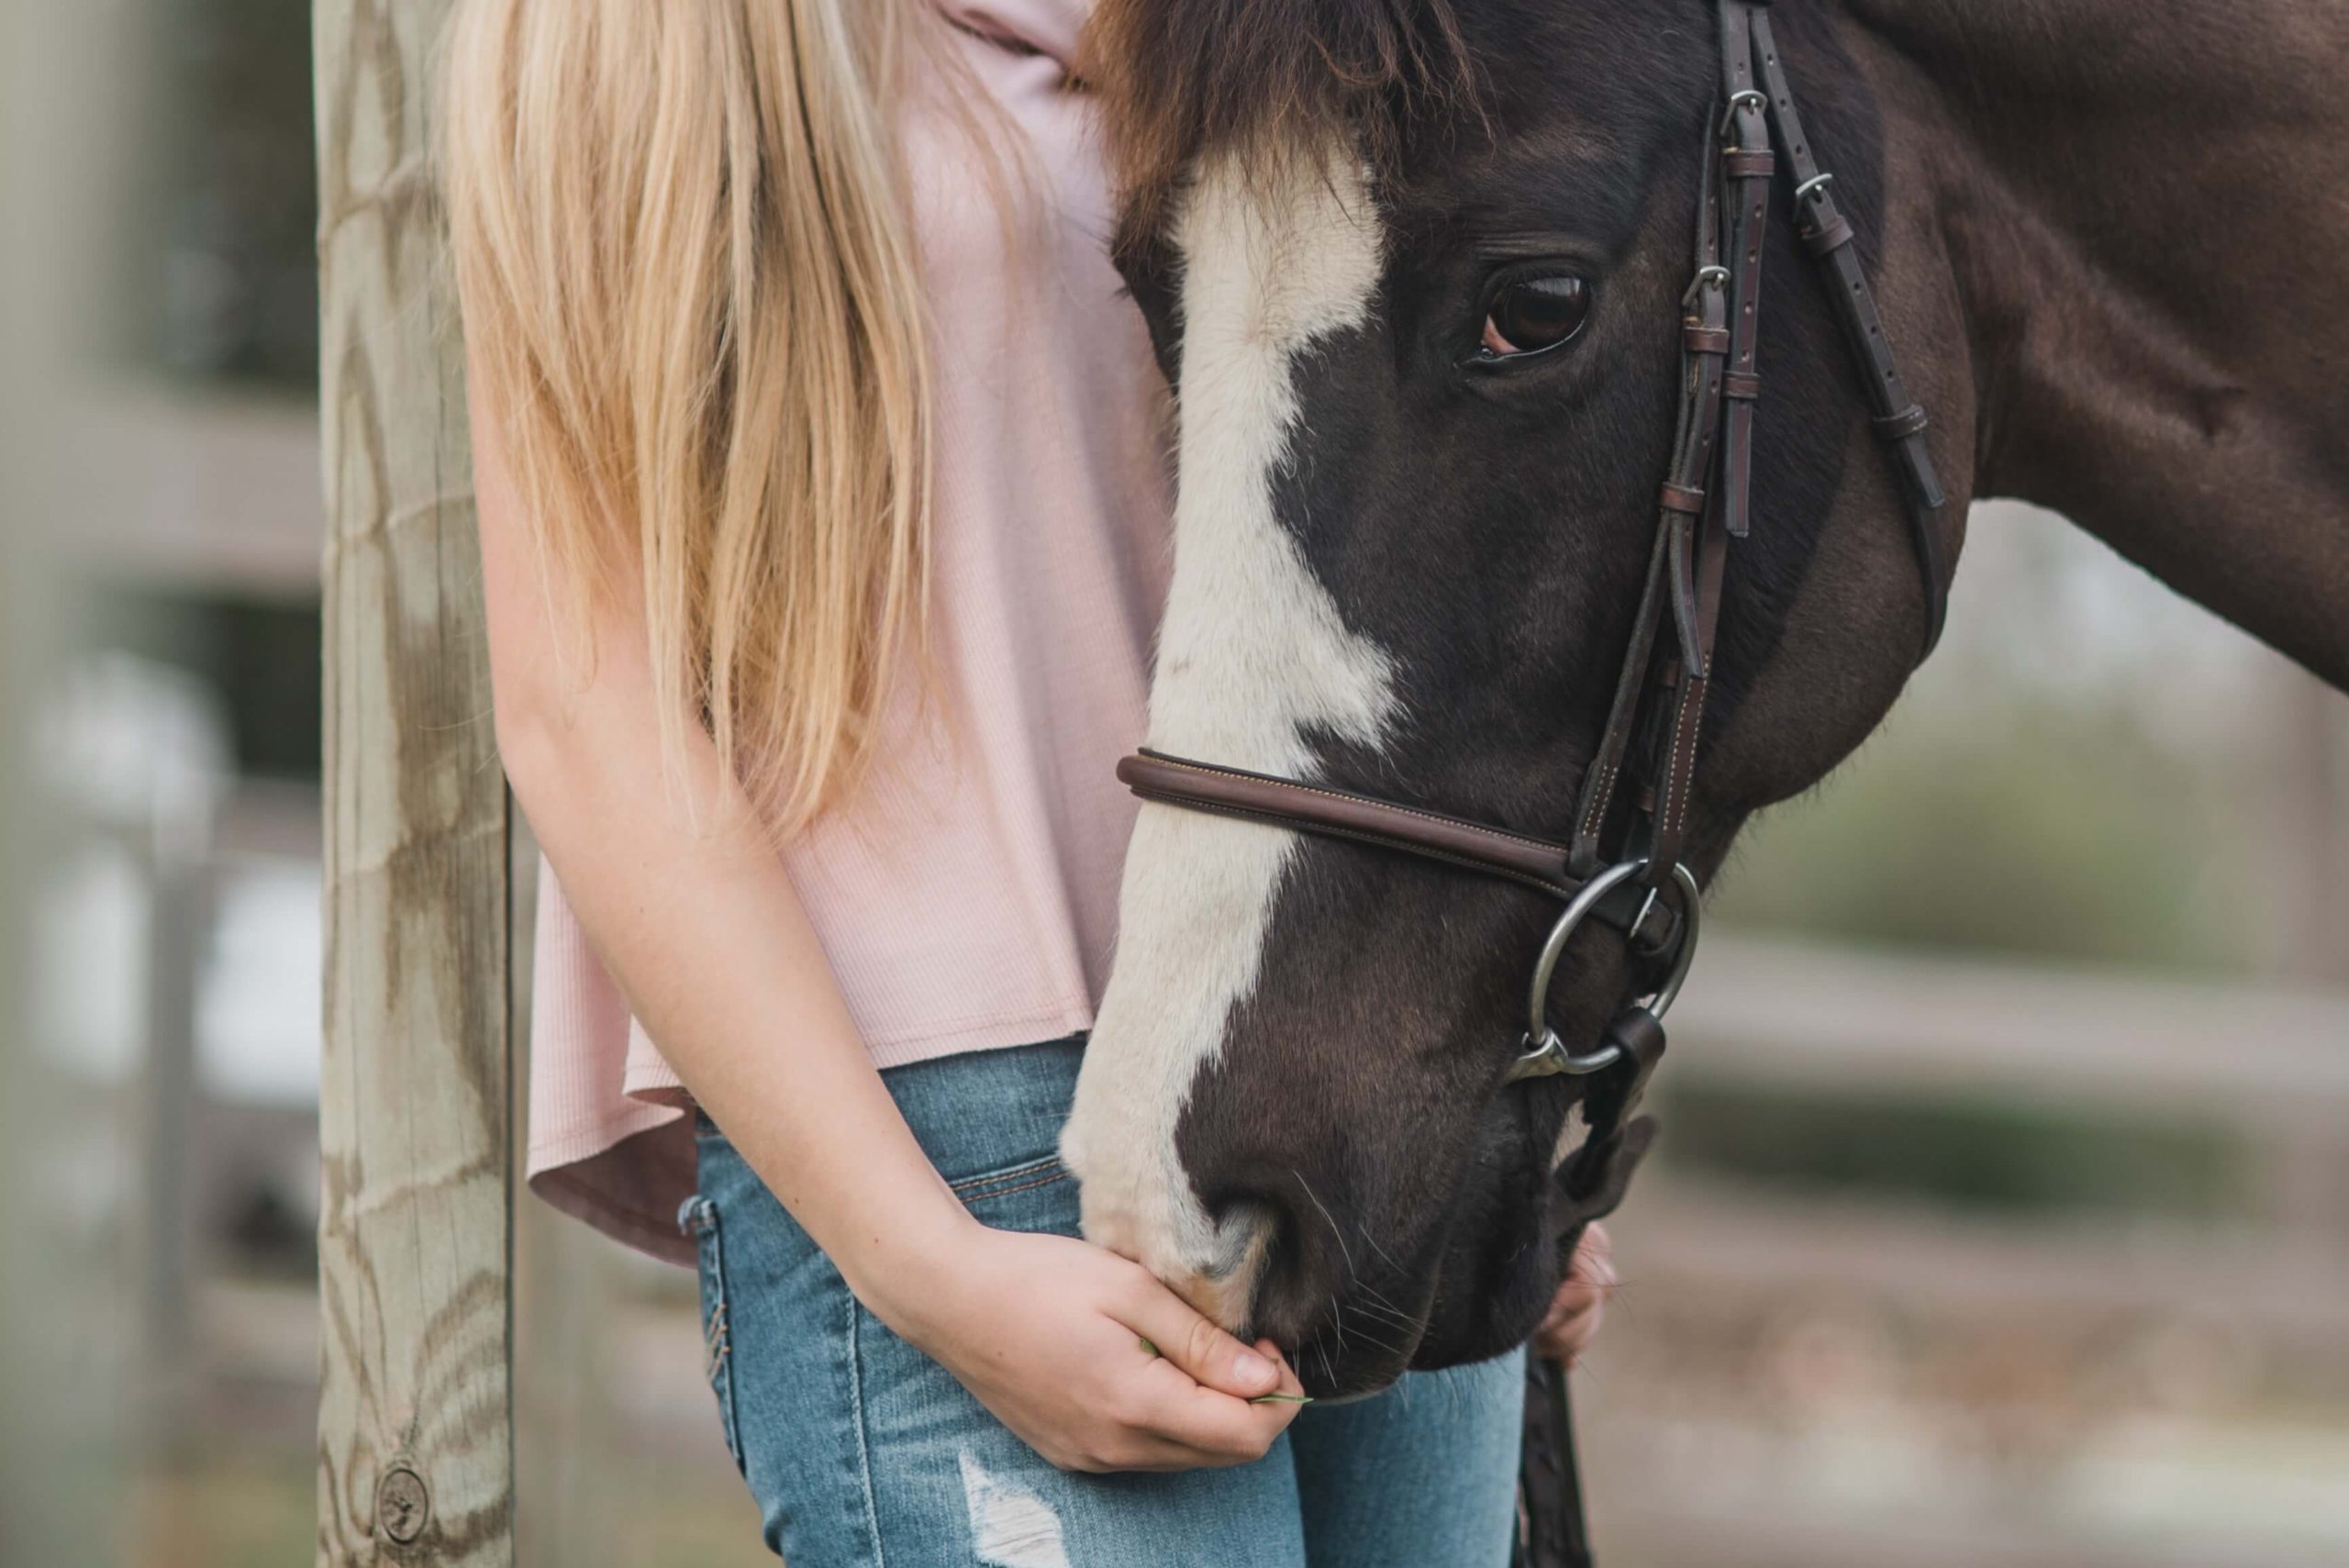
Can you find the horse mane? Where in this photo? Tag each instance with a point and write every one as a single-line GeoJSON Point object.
{"type": "Point", "coordinates": [1256, 80]}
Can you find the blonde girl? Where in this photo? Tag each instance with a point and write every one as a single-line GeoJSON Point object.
{"type": "Point", "coordinates": [823, 519]}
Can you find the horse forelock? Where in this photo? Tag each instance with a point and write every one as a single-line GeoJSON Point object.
{"type": "Point", "coordinates": [1254, 82]}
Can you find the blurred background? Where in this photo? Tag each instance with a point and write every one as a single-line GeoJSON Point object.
{"type": "Point", "coordinates": [2002, 1216]}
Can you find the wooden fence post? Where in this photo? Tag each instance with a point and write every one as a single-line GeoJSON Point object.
{"type": "Point", "coordinates": [416, 1460]}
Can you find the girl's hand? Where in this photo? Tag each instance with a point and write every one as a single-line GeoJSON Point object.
{"type": "Point", "coordinates": [1088, 1358]}
{"type": "Point", "coordinates": [1581, 1302]}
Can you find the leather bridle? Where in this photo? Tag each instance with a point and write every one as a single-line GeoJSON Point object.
{"type": "Point", "coordinates": [1658, 699]}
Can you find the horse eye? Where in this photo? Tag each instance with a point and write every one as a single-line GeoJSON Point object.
{"type": "Point", "coordinates": [1534, 313]}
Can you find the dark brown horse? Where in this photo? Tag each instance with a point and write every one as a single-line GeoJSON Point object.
{"type": "Point", "coordinates": [1415, 271]}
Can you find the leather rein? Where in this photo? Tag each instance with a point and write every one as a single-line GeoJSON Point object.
{"type": "Point", "coordinates": [1652, 722]}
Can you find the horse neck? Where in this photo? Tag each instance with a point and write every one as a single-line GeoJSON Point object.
{"type": "Point", "coordinates": [2144, 226]}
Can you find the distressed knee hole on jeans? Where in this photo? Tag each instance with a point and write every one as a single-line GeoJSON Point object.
{"type": "Point", "coordinates": [1010, 1525]}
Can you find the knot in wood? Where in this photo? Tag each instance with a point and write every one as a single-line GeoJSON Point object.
{"type": "Point", "coordinates": [403, 1505]}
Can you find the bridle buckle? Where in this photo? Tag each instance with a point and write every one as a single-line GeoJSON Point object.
{"type": "Point", "coordinates": [1707, 277]}
{"type": "Point", "coordinates": [1745, 98]}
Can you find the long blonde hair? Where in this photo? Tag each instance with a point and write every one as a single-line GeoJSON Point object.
{"type": "Point", "coordinates": [690, 287]}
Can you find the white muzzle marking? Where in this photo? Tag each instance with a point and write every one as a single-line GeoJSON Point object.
{"type": "Point", "coordinates": [1252, 655]}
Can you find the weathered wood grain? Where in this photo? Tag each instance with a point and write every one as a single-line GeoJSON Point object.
{"type": "Point", "coordinates": [576, 1484]}
{"type": "Point", "coordinates": [415, 1423]}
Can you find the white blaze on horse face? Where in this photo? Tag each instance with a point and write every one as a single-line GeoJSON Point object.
{"type": "Point", "coordinates": [1251, 657]}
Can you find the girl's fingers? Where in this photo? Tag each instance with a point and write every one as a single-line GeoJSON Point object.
{"type": "Point", "coordinates": [1197, 1348]}
{"type": "Point", "coordinates": [1592, 1271]}
{"type": "Point", "coordinates": [1580, 1305]}
{"type": "Point", "coordinates": [1217, 1400]}
{"type": "Point", "coordinates": [1581, 1296]}
{"type": "Point", "coordinates": [1216, 1429]}
{"type": "Point", "coordinates": [1566, 1339]}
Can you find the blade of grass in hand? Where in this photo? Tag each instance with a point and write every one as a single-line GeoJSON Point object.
{"type": "Point", "coordinates": [1261, 1399]}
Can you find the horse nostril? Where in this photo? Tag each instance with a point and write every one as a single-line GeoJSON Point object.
{"type": "Point", "coordinates": [1221, 1283]}
{"type": "Point", "coordinates": [1294, 1280]}
{"type": "Point", "coordinates": [1245, 1234]}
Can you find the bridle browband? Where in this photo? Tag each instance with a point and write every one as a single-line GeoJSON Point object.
{"type": "Point", "coordinates": [1659, 697]}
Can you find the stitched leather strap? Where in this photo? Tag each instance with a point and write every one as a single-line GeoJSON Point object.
{"type": "Point", "coordinates": [1176, 781]}
{"type": "Point", "coordinates": [1588, 1186]}
{"type": "Point", "coordinates": [1898, 417]}
{"type": "Point", "coordinates": [1748, 165]}
{"type": "Point", "coordinates": [1707, 340]}
{"type": "Point", "coordinates": [1455, 841]}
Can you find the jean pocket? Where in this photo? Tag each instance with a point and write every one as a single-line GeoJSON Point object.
{"type": "Point", "coordinates": [1035, 1195]}
{"type": "Point", "coordinates": [698, 1219]}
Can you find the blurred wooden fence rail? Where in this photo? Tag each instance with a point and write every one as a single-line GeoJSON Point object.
{"type": "Point", "coordinates": [415, 1257]}
{"type": "Point", "coordinates": [2262, 1061]}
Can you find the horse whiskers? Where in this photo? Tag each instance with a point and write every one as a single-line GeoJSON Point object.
{"type": "Point", "coordinates": [1353, 1270]}
{"type": "Point", "coordinates": [1372, 1243]}
{"type": "Point", "coordinates": [1344, 1251]}
{"type": "Point", "coordinates": [1337, 1311]}
{"type": "Point", "coordinates": [1380, 1307]}
{"type": "Point", "coordinates": [1368, 1298]}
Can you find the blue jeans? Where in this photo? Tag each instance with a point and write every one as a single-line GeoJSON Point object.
{"type": "Point", "coordinates": [863, 1452]}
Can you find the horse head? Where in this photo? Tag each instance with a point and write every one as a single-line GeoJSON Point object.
{"type": "Point", "coordinates": [1417, 272]}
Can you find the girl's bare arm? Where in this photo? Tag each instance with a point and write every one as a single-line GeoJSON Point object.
{"type": "Point", "coordinates": [701, 928]}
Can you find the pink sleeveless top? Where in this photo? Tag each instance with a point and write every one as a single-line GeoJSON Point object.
{"type": "Point", "coordinates": [966, 898]}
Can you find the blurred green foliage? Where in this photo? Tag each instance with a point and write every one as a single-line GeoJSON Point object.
{"type": "Point", "coordinates": [2055, 832]}
{"type": "Point", "coordinates": [1978, 1152]}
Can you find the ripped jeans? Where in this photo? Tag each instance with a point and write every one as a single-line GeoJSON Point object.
{"type": "Point", "coordinates": [863, 1452]}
